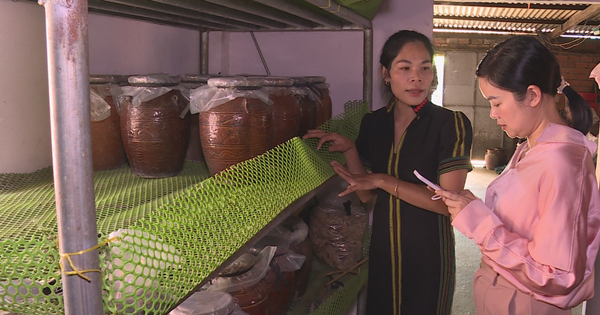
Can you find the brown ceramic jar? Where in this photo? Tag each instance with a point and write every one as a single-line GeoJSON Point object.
{"type": "Point", "coordinates": [155, 132]}
{"type": "Point", "coordinates": [324, 106]}
{"type": "Point", "coordinates": [308, 105]}
{"type": "Point", "coordinates": [285, 108]}
{"type": "Point", "coordinates": [107, 146]}
{"type": "Point", "coordinates": [237, 130]}
{"type": "Point", "coordinates": [281, 290]}
{"type": "Point", "coordinates": [194, 152]}
{"type": "Point", "coordinates": [254, 299]}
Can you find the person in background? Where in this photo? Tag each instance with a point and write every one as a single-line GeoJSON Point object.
{"type": "Point", "coordinates": [538, 229]}
{"type": "Point", "coordinates": [411, 256]}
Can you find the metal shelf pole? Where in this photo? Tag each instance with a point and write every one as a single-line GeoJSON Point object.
{"type": "Point", "coordinates": [69, 91]}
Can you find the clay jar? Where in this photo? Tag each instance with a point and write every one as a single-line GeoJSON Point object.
{"type": "Point", "coordinates": [254, 299]}
{"type": "Point", "coordinates": [194, 152]}
{"type": "Point", "coordinates": [307, 103]}
{"type": "Point", "coordinates": [281, 287]}
{"type": "Point", "coordinates": [237, 130]}
{"type": "Point", "coordinates": [155, 132]}
{"type": "Point", "coordinates": [107, 146]}
{"type": "Point", "coordinates": [491, 159]}
{"type": "Point", "coordinates": [285, 108]}
{"type": "Point", "coordinates": [324, 105]}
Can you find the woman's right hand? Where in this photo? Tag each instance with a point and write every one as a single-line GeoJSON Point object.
{"type": "Point", "coordinates": [456, 201]}
{"type": "Point", "coordinates": [338, 142]}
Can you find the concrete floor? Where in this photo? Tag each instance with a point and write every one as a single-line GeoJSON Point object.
{"type": "Point", "coordinates": [468, 254]}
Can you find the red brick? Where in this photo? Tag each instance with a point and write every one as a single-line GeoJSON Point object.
{"type": "Point", "coordinates": [464, 41]}
{"type": "Point", "coordinates": [477, 41]}
{"type": "Point", "coordinates": [587, 58]}
{"type": "Point", "coordinates": [571, 64]}
{"type": "Point", "coordinates": [452, 41]}
{"type": "Point", "coordinates": [574, 58]}
{"type": "Point", "coordinates": [583, 65]}
{"type": "Point", "coordinates": [561, 58]}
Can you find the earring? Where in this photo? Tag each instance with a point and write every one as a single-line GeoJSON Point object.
{"type": "Point", "coordinates": [387, 82]}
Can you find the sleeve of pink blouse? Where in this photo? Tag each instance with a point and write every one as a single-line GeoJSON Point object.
{"type": "Point", "coordinates": [554, 261]}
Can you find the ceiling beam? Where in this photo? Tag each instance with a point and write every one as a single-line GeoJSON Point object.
{"type": "Point", "coordinates": [591, 12]}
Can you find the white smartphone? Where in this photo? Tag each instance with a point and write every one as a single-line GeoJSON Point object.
{"type": "Point", "coordinates": [426, 181]}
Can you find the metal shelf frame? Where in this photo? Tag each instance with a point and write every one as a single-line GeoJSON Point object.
{"type": "Point", "coordinates": [68, 71]}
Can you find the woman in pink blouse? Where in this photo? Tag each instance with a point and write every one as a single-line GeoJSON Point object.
{"type": "Point", "coordinates": [538, 230]}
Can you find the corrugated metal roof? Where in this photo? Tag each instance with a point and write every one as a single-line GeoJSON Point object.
{"type": "Point", "coordinates": [509, 16]}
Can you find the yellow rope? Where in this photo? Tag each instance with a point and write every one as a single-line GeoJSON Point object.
{"type": "Point", "coordinates": [77, 271]}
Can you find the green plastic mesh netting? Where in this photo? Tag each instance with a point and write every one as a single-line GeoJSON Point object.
{"type": "Point", "coordinates": [366, 8]}
{"type": "Point", "coordinates": [167, 234]}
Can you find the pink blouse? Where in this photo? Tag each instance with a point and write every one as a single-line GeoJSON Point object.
{"type": "Point", "coordinates": [539, 227]}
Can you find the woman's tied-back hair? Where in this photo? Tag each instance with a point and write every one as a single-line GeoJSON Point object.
{"type": "Point", "coordinates": [521, 61]}
{"type": "Point", "coordinates": [395, 43]}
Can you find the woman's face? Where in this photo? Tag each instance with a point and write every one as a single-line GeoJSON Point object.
{"type": "Point", "coordinates": [512, 116]}
{"type": "Point", "coordinates": [410, 74]}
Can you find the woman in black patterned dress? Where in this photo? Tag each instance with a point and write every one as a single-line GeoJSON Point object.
{"type": "Point", "coordinates": [411, 257]}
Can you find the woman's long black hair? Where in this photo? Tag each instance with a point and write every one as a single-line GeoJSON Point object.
{"type": "Point", "coordinates": [521, 61]}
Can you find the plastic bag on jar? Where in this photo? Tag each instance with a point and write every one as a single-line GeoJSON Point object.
{"type": "Point", "coordinates": [337, 228]}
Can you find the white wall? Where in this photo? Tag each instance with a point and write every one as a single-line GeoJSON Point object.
{"type": "Point", "coordinates": [125, 46]}
{"type": "Point", "coordinates": [117, 46]}
{"type": "Point", "coordinates": [24, 113]}
{"type": "Point", "coordinates": [336, 55]}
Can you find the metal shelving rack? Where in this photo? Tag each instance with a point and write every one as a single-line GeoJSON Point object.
{"type": "Point", "coordinates": [67, 42]}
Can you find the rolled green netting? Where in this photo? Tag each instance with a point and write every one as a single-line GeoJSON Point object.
{"type": "Point", "coordinates": [366, 8]}
{"type": "Point", "coordinates": [164, 235]}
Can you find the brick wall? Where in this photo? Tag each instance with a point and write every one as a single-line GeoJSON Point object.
{"type": "Point", "coordinates": [576, 63]}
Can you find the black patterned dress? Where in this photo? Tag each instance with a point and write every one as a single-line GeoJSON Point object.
{"type": "Point", "coordinates": [411, 259]}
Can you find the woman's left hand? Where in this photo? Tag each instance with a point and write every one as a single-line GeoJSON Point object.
{"type": "Point", "coordinates": [456, 201]}
{"type": "Point", "coordinates": [356, 181]}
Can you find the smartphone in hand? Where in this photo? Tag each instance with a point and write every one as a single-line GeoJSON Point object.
{"type": "Point", "coordinates": [428, 183]}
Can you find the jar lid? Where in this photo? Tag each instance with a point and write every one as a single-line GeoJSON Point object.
{"type": "Point", "coordinates": [198, 78]}
{"type": "Point", "coordinates": [240, 265]}
{"type": "Point", "coordinates": [300, 81]}
{"type": "Point", "coordinates": [278, 81]}
{"type": "Point", "coordinates": [102, 79]}
{"type": "Point", "coordinates": [315, 79]}
{"type": "Point", "coordinates": [154, 80]}
{"type": "Point", "coordinates": [236, 82]}
{"type": "Point", "coordinates": [206, 302]}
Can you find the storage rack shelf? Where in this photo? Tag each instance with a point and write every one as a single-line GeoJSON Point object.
{"type": "Point", "coordinates": [66, 35]}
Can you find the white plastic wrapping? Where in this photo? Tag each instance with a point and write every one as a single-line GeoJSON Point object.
{"type": "Point", "coordinates": [99, 108]}
{"type": "Point", "coordinates": [206, 97]}
{"type": "Point", "coordinates": [290, 261]}
{"type": "Point", "coordinates": [247, 279]}
{"type": "Point", "coordinates": [206, 303]}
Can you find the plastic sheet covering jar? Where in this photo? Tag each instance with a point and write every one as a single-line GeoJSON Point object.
{"type": "Point", "coordinates": [307, 100]}
{"type": "Point", "coordinates": [107, 146]}
{"type": "Point", "coordinates": [235, 120]}
{"type": "Point", "coordinates": [324, 106]}
{"type": "Point", "coordinates": [301, 245]}
{"type": "Point", "coordinates": [189, 82]}
{"type": "Point", "coordinates": [155, 125]}
{"type": "Point", "coordinates": [206, 303]}
{"type": "Point", "coordinates": [337, 228]}
{"type": "Point", "coordinates": [285, 108]}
